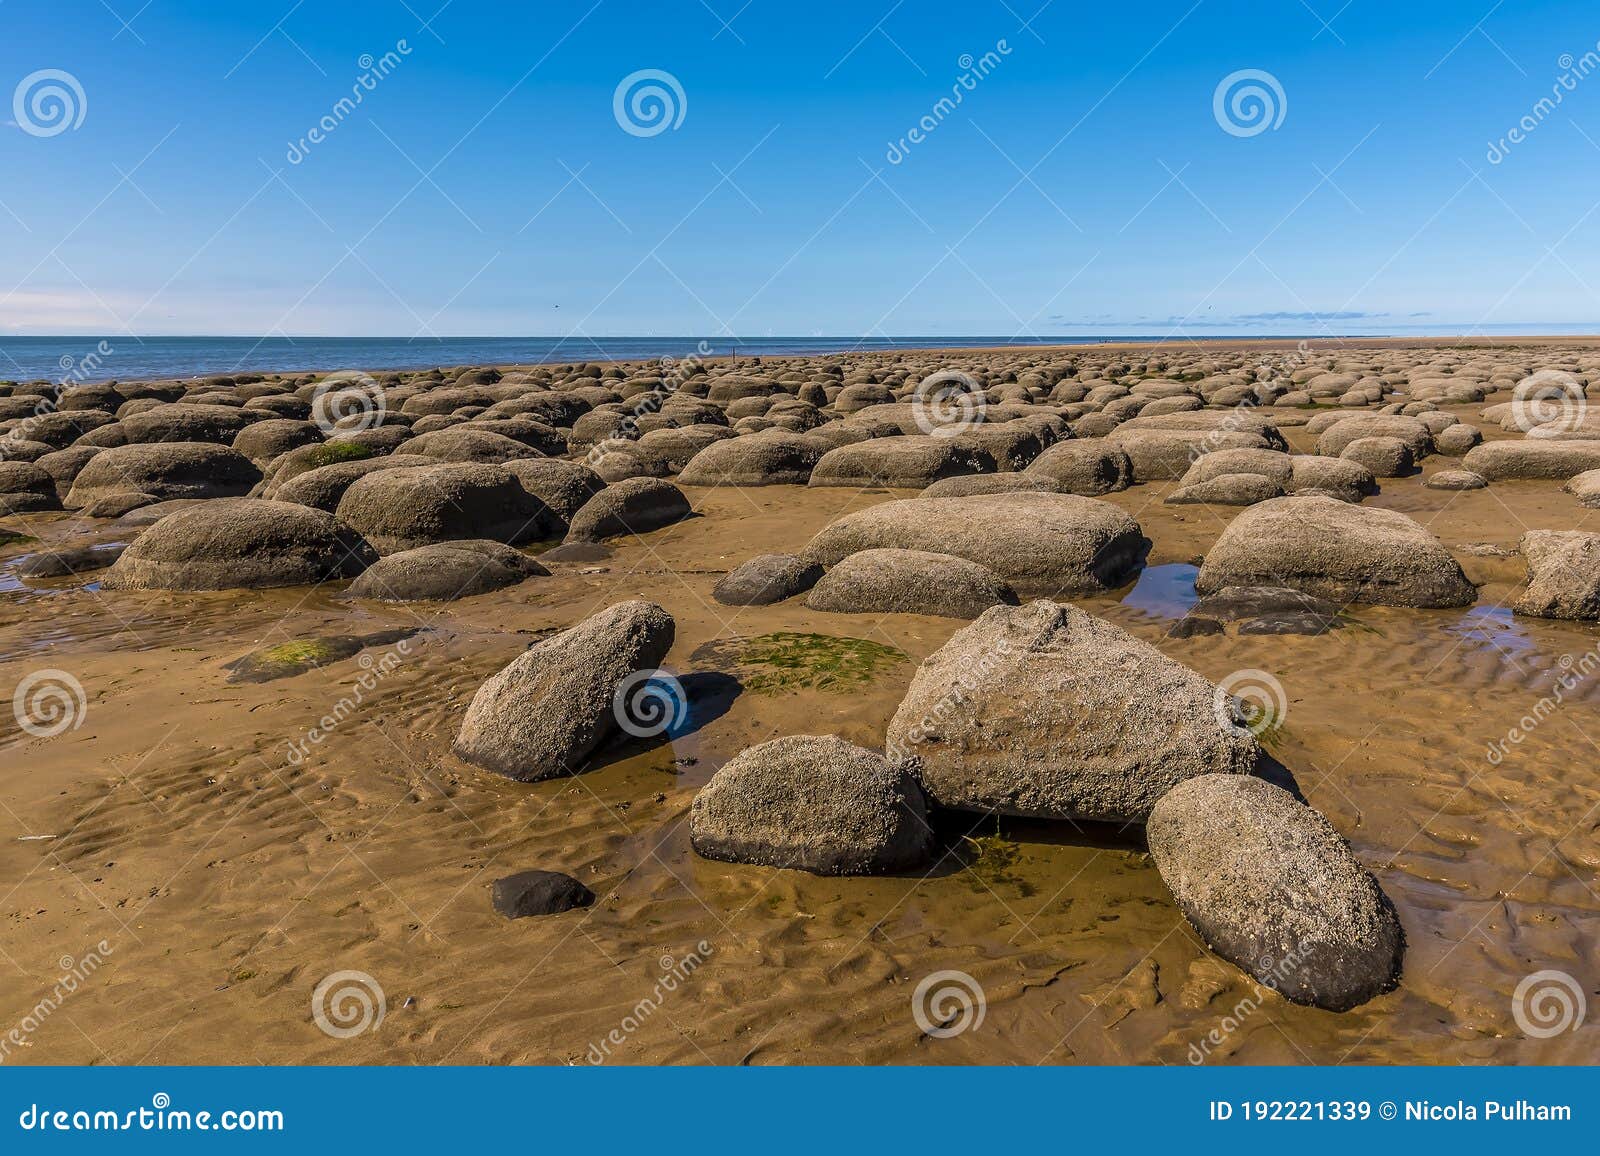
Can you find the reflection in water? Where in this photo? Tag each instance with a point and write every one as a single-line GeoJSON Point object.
{"type": "Point", "coordinates": [1495, 627]}
{"type": "Point", "coordinates": [1164, 591]}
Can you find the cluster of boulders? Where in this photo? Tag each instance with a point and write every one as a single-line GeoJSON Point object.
{"type": "Point", "coordinates": [433, 485]}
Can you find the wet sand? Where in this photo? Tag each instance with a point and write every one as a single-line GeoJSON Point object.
{"type": "Point", "coordinates": [227, 881]}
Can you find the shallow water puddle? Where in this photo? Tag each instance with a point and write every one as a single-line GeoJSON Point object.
{"type": "Point", "coordinates": [1165, 591]}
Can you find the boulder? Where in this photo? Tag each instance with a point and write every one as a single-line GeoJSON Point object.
{"type": "Point", "coordinates": [1335, 477]}
{"type": "Point", "coordinates": [1167, 454]}
{"type": "Point", "coordinates": [26, 487]}
{"type": "Point", "coordinates": [634, 506]}
{"type": "Point", "coordinates": [1585, 487]}
{"type": "Point", "coordinates": [1336, 550]}
{"type": "Point", "coordinates": [68, 561]}
{"type": "Point", "coordinates": [765, 579]}
{"type": "Point", "coordinates": [1045, 710]}
{"type": "Point", "coordinates": [813, 803]}
{"type": "Point", "coordinates": [770, 458]}
{"type": "Point", "coordinates": [445, 571]}
{"type": "Point", "coordinates": [1333, 440]}
{"type": "Point", "coordinates": [1456, 480]}
{"type": "Point", "coordinates": [1455, 440]}
{"type": "Point", "coordinates": [1272, 888]}
{"type": "Point", "coordinates": [1085, 466]}
{"type": "Point", "coordinates": [538, 893]}
{"type": "Point", "coordinates": [401, 509]}
{"type": "Point", "coordinates": [1386, 457]}
{"type": "Point", "coordinates": [185, 422]}
{"type": "Point", "coordinates": [906, 463]}
{"type": "Point", "coordinates": [562, 486]}
{"type": "Point", "coordinates": [1227, 490]}
{"type": "Point", "coordinates": [909, 582]}
{"type": "Point", "coordinates": [546, 713]}
{"type": "Point", "coordinates": [1511, 460]}
{"type": "Point", "coordinates": [240, 542]}
{"type": "Point", "coordinates": [468, 443]}
{"type": "Point", "coordinates": [1563, 575]}
{"type": "Point", "coordinates": [164, 471]}
{"type": "Point", "coordinates": [1039, 543]}
{"type": "Point", "coordinates": [264, 440]}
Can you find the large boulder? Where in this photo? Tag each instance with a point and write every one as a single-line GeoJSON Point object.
{"type": "Point", "coordinates": [546, 713]}
{"type": "Point", "coordinates": [1272, 888]}
{"type": "Point", "coordinates": [971, 485]}
{"type": "Point", "coordinates": [813, 803]}
{"type": "Point", "coordinates": [1047, 711]}
{"type": "Point", "coordinates": [1039, 543]}
{"type": "Point", "coordinates": [770, 458]}
{"type": "Point", "coordinates": [1227, 490]}
{"type": "Point", "coordinates": [1563, 575]}
{"type": "Point", "coordinates": [185, 422]}
{"type": "Point", "coordinates": [1333, 441]}
{"type": "Point", "coordinates": [469, 443]}
{"type": "Point", "coordinates": [1085, 466]}
{"type": "Point", "coordinates": [907, 463]}
{"type": "Point", "coordinates": [164, 471]}
{"type": "Point", "coordinates": [402, 509]}
{"type": "Point", "coordinates": [240, 542]}
{"type": "Point", "coordinates": [765, 579]}
{"type": "Point", "coordinates": [1336, 550]}
{"type": "Point", "coordinates": [562, 486]}
{"type": "Point", "coordinates": [264, 440]}
{"type": "Point", "coordinates": [1545, 460]}
{"type": "Point", "coordinates": [633, 506]}
{"type": "Point", "coordinates": [445, 571]}
{"type": "Point", "coordinates": [26, 487]}
{"type": "Point", "coordinates": [909, 582]}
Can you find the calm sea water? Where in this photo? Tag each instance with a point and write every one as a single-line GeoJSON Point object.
{"type": "Point", "coordinates": [85, 359]}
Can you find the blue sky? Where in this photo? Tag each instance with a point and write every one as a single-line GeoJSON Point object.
{"type": "Point", "coordinates": [1083, 184]}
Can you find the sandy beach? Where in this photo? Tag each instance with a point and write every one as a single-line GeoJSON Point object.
{"type": "Point", "coordinates": [199, 828]}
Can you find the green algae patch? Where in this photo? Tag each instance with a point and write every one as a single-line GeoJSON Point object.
{"type": "Point", "coordinates": [780, 663]}
{"type": "Point", "coordinates": [331, 453]}
{"type": "Point", "coordinates": [303, 654]}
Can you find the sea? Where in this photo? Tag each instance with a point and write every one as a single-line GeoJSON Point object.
{"type": "Point", "coordinates": [75, 360]}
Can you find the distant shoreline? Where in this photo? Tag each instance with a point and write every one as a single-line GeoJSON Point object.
{"type": "Point", "coordinates": [90, 360]}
